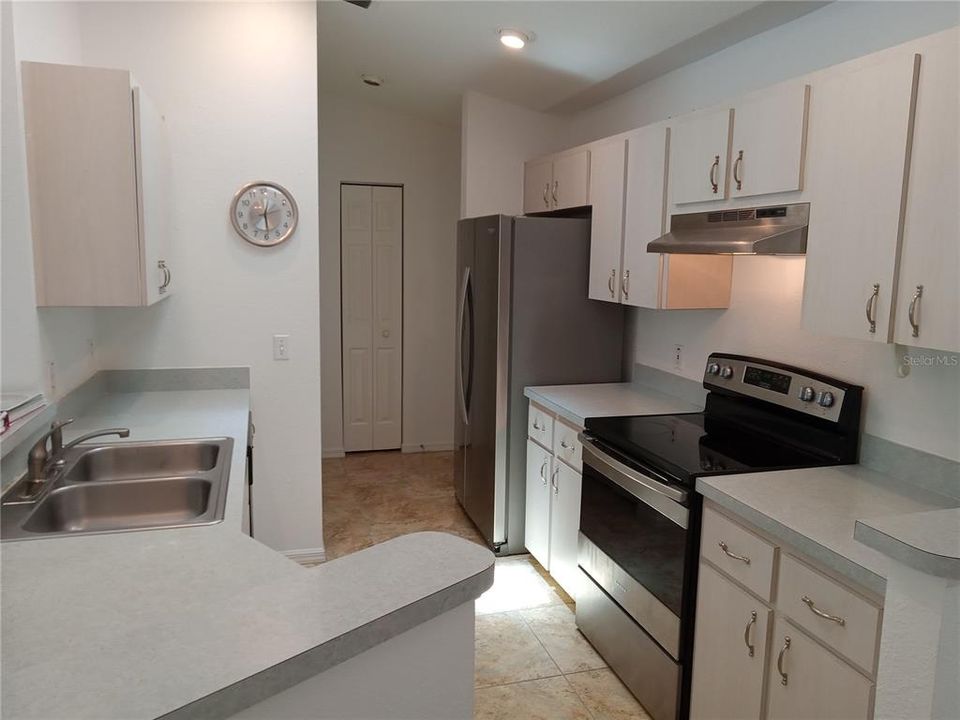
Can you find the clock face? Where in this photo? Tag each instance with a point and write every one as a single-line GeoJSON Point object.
{"type": "Point", "coordinates": [264, 213]}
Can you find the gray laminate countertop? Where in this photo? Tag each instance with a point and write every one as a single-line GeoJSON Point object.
{"type": "Point", "coordinates": [202, 622]}
{"type": "Point", "coordinates": [576, 403]}
{"type": "Point", "coordinates": [816, 510]}
{"type": "Point", "coordinates": [928, 541]}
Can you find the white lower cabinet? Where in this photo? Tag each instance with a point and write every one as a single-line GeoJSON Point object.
{"type": "Point", "coordinates": [730, 652]}
{"type": "Point", "coordinates": [552, 514]}
{"type": "Point", "coordinates": [808, 681]}
{"type": "Point", "coordinates": [804, 669]}
{"type": "Point", "coordinates": [537, 522]}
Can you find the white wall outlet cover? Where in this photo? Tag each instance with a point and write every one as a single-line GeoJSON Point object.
{"type": "Point", "coordinates": [281, 347]}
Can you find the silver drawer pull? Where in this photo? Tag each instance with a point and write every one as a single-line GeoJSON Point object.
{"type": "Point", "coordinates": [820, 613]}
{"type": "Point", "coordinates": [746, 632]}
{"type": "Point", "coordinates": [783, 651]}
{"type": "Point", "coordinates": [565, 446]}
{"type": "Point", "coordinates": [537, 426]}
{"type": "Point", "coordinates": [543, 472]}
{"type": "Point", "coordinates": [726, 550]}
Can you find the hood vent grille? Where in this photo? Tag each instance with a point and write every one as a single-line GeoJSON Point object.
{"type": "Point", "coordinates": [774, 230]}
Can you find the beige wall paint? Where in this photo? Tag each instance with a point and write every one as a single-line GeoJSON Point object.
{"type": "Point", "coordinates": [363, 142]}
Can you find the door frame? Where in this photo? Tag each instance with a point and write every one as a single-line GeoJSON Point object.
{"type": "Point", "coordinates": [403, 273]}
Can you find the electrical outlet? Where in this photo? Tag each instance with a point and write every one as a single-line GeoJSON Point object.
{"type": "Point", "coordinates": [678, 357]}
{"type": "Point", "coordinates": [281, 347]}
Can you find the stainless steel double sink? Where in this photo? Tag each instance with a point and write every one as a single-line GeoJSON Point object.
{"type": "Point", "coordinates": [117, 487]}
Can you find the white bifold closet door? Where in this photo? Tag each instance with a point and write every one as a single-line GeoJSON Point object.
{"type": "Point", "coordinates": [371, 243]}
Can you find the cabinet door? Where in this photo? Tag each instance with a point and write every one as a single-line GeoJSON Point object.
{"type": "Point", "coordinates": [537, 186]}
{"type": "Point", "coordinates": [730, 650]}
{"type": "Point", "coordinates": [859, 122]}
{"type": "Point", "coordinates": [698, 156]}
{"type": "Point", "coordinates": [931, 251]}
{"type": "Point", "coordinates": [645, 216]}
{"type": "Point", "coordinates": [769, 130]}
{"type": "Point", "coordinates": [607, 169]}
{"type": "Point", "coordinates": [807, 681]}
{"type": "Point", "coordinates": [153, 197]}
{"type": "Point", "coordinates": [571, 178]}
{"type": "Point", "coordinates": [564, 526]}
{"type": "Point", "coordinates": [537, 512]}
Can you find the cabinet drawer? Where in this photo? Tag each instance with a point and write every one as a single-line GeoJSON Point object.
{"type": "Point", "coordinates": [738, 552]}
{"type": "Point", "coordinates": [803, 594]}
{"type": "Point", "coordinates": [540, 426]}
{"type": "Point", "coordinates": [566, 445]}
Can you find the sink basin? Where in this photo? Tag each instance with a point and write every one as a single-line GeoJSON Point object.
{"type": "Point", "coordinates": [118, 487]}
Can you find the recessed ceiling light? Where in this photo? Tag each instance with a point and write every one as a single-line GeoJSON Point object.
{"type": "Point", "coordinates": [372, 80]}
{"type": "Point", "coordinates": [514, 39]}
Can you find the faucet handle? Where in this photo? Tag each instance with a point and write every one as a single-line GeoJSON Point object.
{"type": "Point", "coordinates": [56, 434]}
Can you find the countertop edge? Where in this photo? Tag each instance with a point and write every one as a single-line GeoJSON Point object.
{"type": "Point", "coordinates": [902, 551]}
{"type": "Point", "coordinates": [284, 675]}
{"type": "Point", "coordinates": [802, 543]}
{"type": "Point", "coordinates": [549, 404]}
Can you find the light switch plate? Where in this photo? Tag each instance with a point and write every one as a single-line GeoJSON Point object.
{"type": "Point", "coordinates": [281, 347]}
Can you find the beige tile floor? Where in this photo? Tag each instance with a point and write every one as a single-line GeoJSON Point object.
{"type": "Point", "coordinates": [532, 663]}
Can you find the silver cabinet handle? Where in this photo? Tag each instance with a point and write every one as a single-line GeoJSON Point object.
{"type": "Point", "coordinates": [714, 168]}
{"type": "Point", "coordinates": [746, 632]}
{"type": "Point", "coordinates": [167, 276]}
{"type": "Point", "coordinates": [913, 312]}
{"type": "Point", "coordinates": [537, 426]}
{"type": "Point", "coordinates": [783, 651]}
{"type": "Point", "coordinates": [626, 284]}
{"type": "Point", "coordinates": [726, 550]}
{"type": "Point", "coordinates": [546, 194]}
{"type": "Point", "coordinates": [563, 444]}
{"type": "Point", "coordinates": [556, 188]}
{"type": "Point", "coordinates": [736, 170]}
{"type": "Point", "coordinates": [872, 307]}
{"type": "Point", "coordinates": [820, 613]}
{"type": "Point", "coordinates": [553, 481]}
{"type": "Point", "coordinates": [611, 281]}
{"type": "Point", "coordinates": [543, 471]}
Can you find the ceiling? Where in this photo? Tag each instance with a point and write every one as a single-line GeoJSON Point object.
{"type": "Point", "coordinates": [584, 52]}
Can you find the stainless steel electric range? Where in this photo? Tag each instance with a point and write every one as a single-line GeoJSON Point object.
{"type": "Point", "coordinates": [640, 513]}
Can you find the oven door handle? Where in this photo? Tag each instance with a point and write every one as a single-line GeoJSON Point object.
{"type": "Point", "coordinates": [665, 499]}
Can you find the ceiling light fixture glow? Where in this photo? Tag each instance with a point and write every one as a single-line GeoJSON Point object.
{"type": "Point", "coordinates": [514, 39]}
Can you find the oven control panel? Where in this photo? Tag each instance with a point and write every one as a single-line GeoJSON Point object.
{"type": "Point", "coordinates": [775, 383]}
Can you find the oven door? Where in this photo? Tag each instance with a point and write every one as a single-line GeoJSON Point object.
{"type": "Point", "coordinates": [634, 542]}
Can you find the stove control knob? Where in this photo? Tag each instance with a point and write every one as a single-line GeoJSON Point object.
{"type": "Point", "coordinates": [825, 399]}
{"type": "Point", "coordinates": [713, 369]}
{"type": "Point", "coordinates": [726, 372]}
{"type": "Point", "coordinates": [806, 394]}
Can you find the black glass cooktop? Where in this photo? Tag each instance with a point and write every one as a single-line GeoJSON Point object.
{"type": "Point", "coordinates": [691, 445]}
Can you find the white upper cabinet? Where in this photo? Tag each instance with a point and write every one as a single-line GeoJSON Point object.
{"type": "Point", "coordinates": [698, 156]}
{"type": "Point", "coordinates": [930, 258]}
{"type": "Point", "coordinates": [97, 170]}
{"type": "Point", "coordinates": [537, 185]}
{"type": "Point", "coordinates": [571, 180]}
{"type": "Point", "coordinates": [607, 176]}
{"type": "Point", "coordinates": [769, 133]}
{"type": "Point", "coordinates": [859, 129]}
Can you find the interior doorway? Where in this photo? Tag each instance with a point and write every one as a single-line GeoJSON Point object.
{"type": "Point", "coordinates": [371, 301]}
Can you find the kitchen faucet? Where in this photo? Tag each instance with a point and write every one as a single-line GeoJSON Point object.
{"type": "Point", "coordinates": [41, 461]}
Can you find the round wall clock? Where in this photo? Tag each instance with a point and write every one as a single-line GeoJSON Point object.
{"type": "Point", "coordinates": [264, 213]}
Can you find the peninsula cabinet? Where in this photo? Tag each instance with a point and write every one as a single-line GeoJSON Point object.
{"type": "Point", "coordinates": [882, 250]}
{"type": "Point", "coordinates": [98, 180]}
{"type": "Point", "coordinates": [628, 194]}
{"type": "Point", "coordinates": [557, 183]}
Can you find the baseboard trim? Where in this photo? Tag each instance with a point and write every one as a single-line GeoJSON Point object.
{"type": "Point", "coordinates": [427, 447]}
{"type": "Point", "coordinates": [307, 556]}
{"type": "Point", "coordinates": [333, 453]}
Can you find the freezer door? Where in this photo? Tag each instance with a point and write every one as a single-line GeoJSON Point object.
{"type": "Point", "coordinates": [464, 357]}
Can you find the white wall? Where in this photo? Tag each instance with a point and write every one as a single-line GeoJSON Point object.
{"type": "Point", "coordinates": [497, 137]}
{"type": "Point", "coordinates": [237, 84]}
{"type": "Point", "coordinates": [922, 410]}
{"type": "Point", "coordinates": [50, 349]}
{"type": "Point", "coordinates": [362, 142]}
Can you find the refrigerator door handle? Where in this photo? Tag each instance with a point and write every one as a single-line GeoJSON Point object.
{"type": "Point", "coordinates": [461, 386]}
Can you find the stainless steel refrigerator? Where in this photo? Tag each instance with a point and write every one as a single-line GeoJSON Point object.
{"type": "Point", "coordinates": [523, 318]}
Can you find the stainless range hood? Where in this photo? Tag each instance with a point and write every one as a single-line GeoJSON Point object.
{"type": "Point", "coordinates": [772, 230]}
